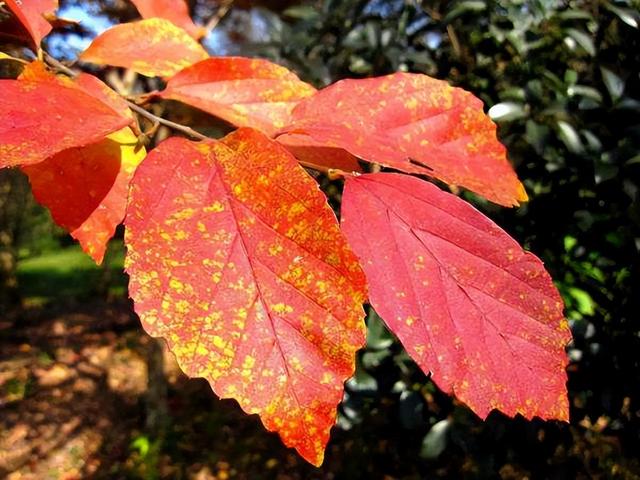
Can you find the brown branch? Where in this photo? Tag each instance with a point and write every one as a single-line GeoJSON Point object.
{"type": "Point", "coordinates": [139, 110]}
{"type": "Point", "coordinates": [176, 126]}
{"type": "Point", "coordinates": [332, 173]}
{"type": "Point", "coordinates": [219, 15]}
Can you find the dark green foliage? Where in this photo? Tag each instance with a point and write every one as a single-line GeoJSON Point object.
{"type": "Point", "coordinates": [562, 81]}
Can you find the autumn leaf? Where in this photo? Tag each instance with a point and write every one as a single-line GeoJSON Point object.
{"type": "Point", "coordinates": [31, 14]}
{"type": "Point", "coordinates": [86, 188]}
{"type": "Point", "coordinates": [36, 124]}
{"type": "Point", "coordinates": [466, 301]}
{"type": "Point", "coordinates": [152, 47]}
{"type": "Point", "coordinates": [176, 11]}
{"type": "Point", "coordinates": [315, 154]}
{"type": "Point", "coordinates": [237, 261]}
{"type": "Point", "coordinates": [242, 91]}
{"type": "Point", "coordinates": [413, 123]}
{"type": "Point", "coordinates": [38, 71]}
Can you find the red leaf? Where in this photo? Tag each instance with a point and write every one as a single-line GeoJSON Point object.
{"type": "Point", "coordinates": [242, 91]}
{"type": "Point", "coordinates": [86, 188]}
{"type": "Point", "coordinates": [237, 261]}
{"type": "Point", "coordinates": [312, 153]}
{"type": "Point", "coordinates": [31, 14]}
{"type": "Point", "coordinates": [152, 47]}
{"type": "Point", "coordinates": [37, 71]}
{"type": "Point", "coordinates": [176, 11]}
{"type": "Point", "coordinates": [416, 124]}
{"type": "Point", "coordinates": [36, 125]}
{"type": "Point", "coordinates": [465, 300]}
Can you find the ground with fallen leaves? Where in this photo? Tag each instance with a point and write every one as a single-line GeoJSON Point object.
{"type": "Point", "coordinates": [73, 383]}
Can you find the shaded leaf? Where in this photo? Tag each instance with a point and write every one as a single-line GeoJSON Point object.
{"type": "Point", "coordinates": [614, 83]}
{"type": "Point", "coordinates": [627, 15]}
{"type": "Point", "coordinates": [416, 124]}
{"type": "Point", "coordinates": [86, 188]}
{"type": "Point", "coordinates": [582, 39]}
{"type": "Point", "coordinates": [36, 125]}
{"type": "Point", "coordinates": [152, 47]}
{"type": "Point", "coordinates": [31, 14]}
{"type": "Point", "coordinates": [435, 441]}
{"type": "Point", "coordinates": [507, 111]}
{"type": "Point", "coordinates": [237, 261]}
{"type": "Point", "coordinates": [176, 11]}
{"type": "Point", "coordinates": [570, 137]}
{"type": "Point", "coordinates": [466, 301]}
{"type": "Point", "coordinates": [307, 150]}
{"type": "Point", "coordinates": [462, 8]}
{"type": "Point", "coordinates": [242, 91]}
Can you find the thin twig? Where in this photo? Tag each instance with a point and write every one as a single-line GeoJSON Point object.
{"type": "Point", "coordinates": [332, 173]}
{"type": "Point", "coordinates": [14, 59]}
{"type": "Point", "coordinates": [176, 126]}
{"type": "Point", "coordinates": [58, 65]}
{"type": "Point", "coordinates": [141, 111]}
{"type": "Point", "coordinates": [219, 15]}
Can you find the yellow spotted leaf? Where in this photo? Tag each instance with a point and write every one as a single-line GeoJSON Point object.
{"type": "Point", "coordinates": [467, 302]}
{"type": "Point", "coordinates": [175, 11]}
{"type": "Point", "coordinates": [237, 261]}
{"type": "Point", "coordinates": [243, 91]}
{"type": "Point", "coordinates": [416, 124]}
{"type": "Point", "coordinates": [36, 125]}
{"type": "Point", "coordinates": [152, 47]}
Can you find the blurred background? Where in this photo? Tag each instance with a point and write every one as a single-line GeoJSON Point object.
{"type": "Point", "coordinates": [84, 393]}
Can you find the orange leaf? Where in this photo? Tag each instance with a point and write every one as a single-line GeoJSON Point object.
{"type": "Point", "coordinates": [242, 91]}
{"type": "Point", "coordinates": [176, 11]}
{"type": "Point", "coordinates": [465, 300]}
{"type": "Point", "coordinates": [152, 47]}
{"type": "Point", "coordinates": [237, 261]}
{"type": "Point", "coordinates": [86, 188]}
{"type": "Point", "coordinates": [416, 124]}
{"type": "Point", "coordinates": [31, 13]}
{"type": "Point", "coordinates": [36, 123]}
{"type": "Point", "coordinates": [38, 71]}
{"type": "Point", "coordinates": [312, 153]}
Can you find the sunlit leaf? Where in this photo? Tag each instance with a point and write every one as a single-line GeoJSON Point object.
{"type": "Point", "coordinates": [416, 124]}
{"type": "Point", "coordinates": [466, 301]}
{"type": "Point", "coordinates": [243, 91]}
{"type": "Point", "coordinates": [237, 261]}
{"type": "Point", "coordinates": [583, 39]}
{"type": "Point", "coordinates": [176, 11]}
{"type": "Point", "coordinates": [152, 47]}
{"type": "Point", "coordinates": [36, 124]}
{"type": "Point", "coordinates": [38, 72]}
{"type": "Point", "coordinates": [31, 13]}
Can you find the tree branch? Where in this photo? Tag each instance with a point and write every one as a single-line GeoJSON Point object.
{"type": "Point", "coordinates": [219, 15]}
{"type": "Point", "coordinates": [332, 173]}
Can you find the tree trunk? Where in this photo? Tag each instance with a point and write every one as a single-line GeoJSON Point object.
{"type": "Point", "coordinates": [157, 390]}
{"type": "Point", "coordinates": [12, 191]}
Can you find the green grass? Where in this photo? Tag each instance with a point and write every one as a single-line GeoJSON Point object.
{"type": "Point", "coordinates": [70, 273]}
